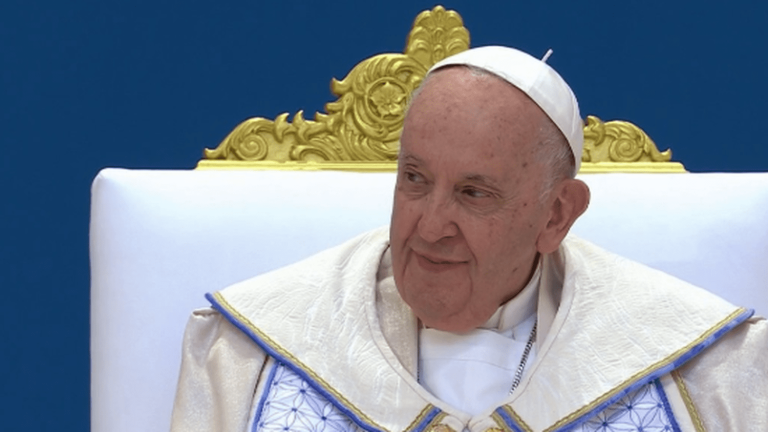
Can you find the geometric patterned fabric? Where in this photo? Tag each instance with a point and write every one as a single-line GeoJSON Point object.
{"type": "Point", "coordinates": [291, 405]}
{"type": "Point", "coordinates": [644, 410]}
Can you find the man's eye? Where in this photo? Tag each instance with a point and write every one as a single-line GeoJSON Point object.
{"type": "Point", "coordinates": [475, 193]}
{"type": "Point", "coordinates": [413, 177]}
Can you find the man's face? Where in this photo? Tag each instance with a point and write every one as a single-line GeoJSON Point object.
{"type": "Point", "coordinates": [467, 207]}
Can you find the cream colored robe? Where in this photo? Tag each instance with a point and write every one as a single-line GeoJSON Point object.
{"type": "Point", "coordinates": [315, 346]}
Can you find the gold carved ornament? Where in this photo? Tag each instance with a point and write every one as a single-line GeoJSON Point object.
{"type": "Point", "coordinates": [620, 146]}
{"type": "Point", "coordinates": [361, 129]}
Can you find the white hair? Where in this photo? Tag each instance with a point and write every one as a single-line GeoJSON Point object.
{"type": "Point", "coordinates": [555, 153]}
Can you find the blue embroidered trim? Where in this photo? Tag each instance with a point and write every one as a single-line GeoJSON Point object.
{"type": "Point", "coordinates": [293, 405]}
{"type": "Point", "coordinates": [297, 370]}
{"type": "Point", "coordinates": [508, 420]}
{"type": "Point", "coordinates": [658, 373]}
{"type": "Point", "coordinates": [710, 340]}
{"type": "Point", "coordinates": [427, 419]}
{"type": "Point", "coordinates": [603, 406]}
{"type": "Point", "coordinates": [667, 406]}
{"type": "Point", "coordinates": [642, 410]}
{"type": "Point", "coordinates": [264, 395]}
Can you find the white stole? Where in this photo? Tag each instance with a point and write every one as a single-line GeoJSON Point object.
{"type": "Point", "coordinates": [474, 371]}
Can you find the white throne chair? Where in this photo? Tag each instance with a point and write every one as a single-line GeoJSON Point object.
{"type": "Point", "coordinates": [274, 192]}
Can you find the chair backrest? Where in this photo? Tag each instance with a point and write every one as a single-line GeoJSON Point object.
{"type": "Point", "coordinates": [161, 239]}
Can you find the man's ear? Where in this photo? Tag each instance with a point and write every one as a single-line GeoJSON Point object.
{"type": "Point", "coordinates": [568, 201]}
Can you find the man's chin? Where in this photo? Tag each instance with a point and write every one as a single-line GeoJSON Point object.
{"type": "Point", "coordinates": [452, 324]}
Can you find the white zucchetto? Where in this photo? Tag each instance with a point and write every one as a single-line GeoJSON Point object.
{"type": "Point", "coordinates": [536, 79]}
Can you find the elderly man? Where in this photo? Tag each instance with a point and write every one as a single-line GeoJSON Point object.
{"type": "Point", "coordinates": [474, 311]}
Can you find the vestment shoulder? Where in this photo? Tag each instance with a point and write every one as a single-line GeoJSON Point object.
{"type": "Point", "coordinates": [638, 284]}
{"type": "Point", "coordinates": [728, 383]}
{"type": "Point", "coordinates": [218, 363]}
{"type": "Point", "coordinates": [327, 275]}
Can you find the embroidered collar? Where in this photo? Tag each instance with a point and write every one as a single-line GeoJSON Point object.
{"type": "Point", "coordinates": [618, 325]}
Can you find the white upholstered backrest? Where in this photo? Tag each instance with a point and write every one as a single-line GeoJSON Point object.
{"type": "Point", "coordinates": [161, 239]}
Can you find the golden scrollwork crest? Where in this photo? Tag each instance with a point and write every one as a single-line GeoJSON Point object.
{"type": "Point", "coordinates": [364, 123]}
{"type": "Point", "coordinates": [360, 130]}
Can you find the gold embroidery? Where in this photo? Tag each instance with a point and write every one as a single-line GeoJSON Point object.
{"type": "Point", "coordinates": [692, 411]}
{"type": "Point", "coordinates": [578, 413]}
{"type": "Point", "coordinates": [422, 415]}
{"type": "Point", "coordinates": [520, 422]}
{"type": "Point", "coordinates": [441, 428]}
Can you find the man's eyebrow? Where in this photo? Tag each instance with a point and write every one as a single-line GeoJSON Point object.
{"type": "Point", "coordinates": [412, 159]}
{"type": "Point", "coordinates": [481, 178]}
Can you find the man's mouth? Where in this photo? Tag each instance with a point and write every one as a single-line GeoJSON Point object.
{"type": "Point", "coordinates": [438, 261]}
{"type": "Point", "coordinates": [432, 262]}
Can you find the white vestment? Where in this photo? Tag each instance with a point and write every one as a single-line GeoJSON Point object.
{"type": "Point", "coordinates": [316, 346]}
{"type": "Point", "coordinates": [479, 368]}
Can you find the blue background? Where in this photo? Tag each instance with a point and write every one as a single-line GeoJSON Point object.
{"type": "Point", "coordinates": [88, 84]}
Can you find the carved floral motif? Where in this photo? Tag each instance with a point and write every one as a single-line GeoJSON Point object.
{"type": "Point", "coordinates": [364, 123]}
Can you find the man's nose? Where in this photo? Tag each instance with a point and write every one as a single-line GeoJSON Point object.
{"type": "Point", "coordinates": [437, 219]}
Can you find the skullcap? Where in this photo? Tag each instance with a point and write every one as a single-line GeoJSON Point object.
{"type": "Point", "coordinates": [536, 79]}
